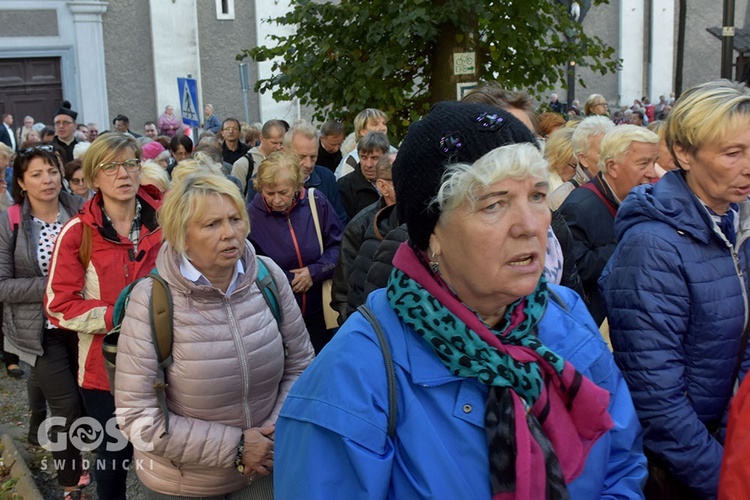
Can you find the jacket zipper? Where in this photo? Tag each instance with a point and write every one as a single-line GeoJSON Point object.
{"type": "Point", "coordinates": [243, 362]}
{"type": "Point", "coordinates": [299, 259]}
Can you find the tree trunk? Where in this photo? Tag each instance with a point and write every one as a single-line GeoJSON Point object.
{"type": "Point", "coordinates": [451, 40]}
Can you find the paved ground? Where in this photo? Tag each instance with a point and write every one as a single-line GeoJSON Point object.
{"type": "Point", "coordinates": [14, 419]}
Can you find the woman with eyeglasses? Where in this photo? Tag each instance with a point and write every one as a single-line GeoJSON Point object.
{"type": "Point", "coordinates": [113, 241]}
{"type": "Point", "coordinates": [28, 232]}
{"type": "Point", "coordinates": [74, 176]}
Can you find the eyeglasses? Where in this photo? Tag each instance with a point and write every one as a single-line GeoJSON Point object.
{"type": "Point", "coordinates": [131, 165]}
{"type": "Point", "coordinates": [76, 181]}
{"type": "Point", "coordinates": [48, 148]}
{"type": "Point", "coordinates": [61, 123]}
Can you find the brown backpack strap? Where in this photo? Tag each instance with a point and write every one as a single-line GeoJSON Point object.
{"type": "Point", "coordinates": [84, 251]}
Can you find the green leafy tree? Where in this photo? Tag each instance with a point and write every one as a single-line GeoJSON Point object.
{"type": "Point", "coordinates": [397, 56]}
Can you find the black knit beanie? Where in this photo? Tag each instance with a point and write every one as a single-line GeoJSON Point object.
{"type": "Point", "coordinates": [453, 132]}
{"type": "Point", "coordinates": [64, 109]}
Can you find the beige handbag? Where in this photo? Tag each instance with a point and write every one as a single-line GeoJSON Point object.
{"type": "Point", "coordinates": [331, 316]}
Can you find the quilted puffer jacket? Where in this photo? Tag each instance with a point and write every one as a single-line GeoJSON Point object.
{"type": "Point", "coordinates": [677, 305]}
{"type": "Point", "coordinates": [21, 279]}
{"type": "Point", "coordinates": [229, 373]}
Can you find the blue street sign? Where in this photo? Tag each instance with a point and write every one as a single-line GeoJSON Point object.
{"type": "Point", "coordinates": [189, 101]}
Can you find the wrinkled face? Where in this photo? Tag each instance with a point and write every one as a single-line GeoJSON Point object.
{"type": "Point", "coordinates": [122, 185]}
{"type": "Point", "coordinates": [93, 133]}
{"type": "Point", "coordinates": [332, 143]}
{"type": "Point", "coordinates": [28, 122]}
{"type": "Point", "coordinates": [635, 167]}
{"type": "Point", "coordinates": [274, 142]}
{"type": "Point", "coordinates": [215, 238]}
{"type": "Point", "coordinates": [368, 162]}
{"type": "Point", "coordinates": [169, 110]}
{"type": "Point", "coordinates": [590, 159]}
{"type": "Point", "coordinates": [77, 185]}
{"type": "Point", "coordinates": [41, 181]}
{"type": "Point", "coordinates": [503, 236]}
{"type": "Point", "coordinates": [121, 126]}
{"type": "Point", "coordinates": [151, 131]}
{"type": "Point", "coordinates": [65, 127]}
{"type": "Point", "coordinates": [280, 196]}
{"type": "Point", "coordinates": [719, 173]}
{"type": "Point", "coordinates": [307, 150]}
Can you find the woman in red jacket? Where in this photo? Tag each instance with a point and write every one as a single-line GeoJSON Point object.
{"type": "Point", "coordinates": [113, 241]}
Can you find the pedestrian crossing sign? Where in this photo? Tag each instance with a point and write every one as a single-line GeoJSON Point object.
{"type": "Point", "coordinates": [189, 101]}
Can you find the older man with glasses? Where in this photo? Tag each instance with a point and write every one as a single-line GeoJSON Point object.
{"type": "Point", "coordinates": [65, 128]}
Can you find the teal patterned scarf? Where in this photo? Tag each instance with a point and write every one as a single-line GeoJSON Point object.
{"type": "Point", "coordinates": [542, 416]}
{"type": "Point", "coordinates": [463, 351]}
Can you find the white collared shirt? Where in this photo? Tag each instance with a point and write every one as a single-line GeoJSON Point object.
{"type": "Point", "coordinates": [191, 273]}
{"type": "Point", "coordinates": [12, 136]}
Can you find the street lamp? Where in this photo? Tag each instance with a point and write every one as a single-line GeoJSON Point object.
{"type": "Point", "coordinates": [577, 11]}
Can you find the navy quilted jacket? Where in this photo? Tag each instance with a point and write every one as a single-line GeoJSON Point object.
{"type": "Point", "coordinates": [677, 304]}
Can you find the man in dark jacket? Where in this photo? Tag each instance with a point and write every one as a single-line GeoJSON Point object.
{"type": "Point", "coordinates": [329, 150]}
{"type": "Point", "coordinates": [65, 128]}
{"type": "Point", "coordinates": [355, 234]}
{"type": "Point", "coordinates": [358, 188]}
{"type": "Point", "coordinates": [627, 159]}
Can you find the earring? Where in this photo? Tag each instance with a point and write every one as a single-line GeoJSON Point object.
{"type": "Point", "coordinates": [434, 265]}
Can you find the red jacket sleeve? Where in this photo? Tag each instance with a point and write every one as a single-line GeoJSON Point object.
{"type": "Point", "coordinates": [70, 300]}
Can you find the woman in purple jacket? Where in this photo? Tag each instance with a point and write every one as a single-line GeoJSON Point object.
{"type": "Point", "coordinates": [283, 228]}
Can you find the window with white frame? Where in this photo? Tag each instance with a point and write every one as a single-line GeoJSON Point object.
{"type": "Point", "coordinates": [225, 9]}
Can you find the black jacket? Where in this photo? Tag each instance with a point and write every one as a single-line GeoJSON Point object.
{"type": "Point", "coordinates": [592, 226]}
{"type": "Point", "coordinates": [384, 222]}
{"type": "Point", "coordinates": [382, 261]}
{"type": "Point", "coordinates": [356, 192]}
{"type": "Point", "coordinates": [354, 235]}
{"type": "Point", "coordinates": [570, 276]}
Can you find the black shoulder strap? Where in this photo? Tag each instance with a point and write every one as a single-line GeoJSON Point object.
{"type": "Point", "coordinates": [557, 299]}
{"type": "Point", "coordinates": [250, 170]}
{"type": "Point", "coordinates": [390, 372]}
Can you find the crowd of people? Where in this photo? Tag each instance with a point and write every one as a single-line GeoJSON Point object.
{"type": "Point", "coordinates": [512, 303]}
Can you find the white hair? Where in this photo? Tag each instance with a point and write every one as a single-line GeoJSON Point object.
{"type": "Point", "coordinates": [462, 181]}
{"type": "Point", "coordinates": [591, 126]}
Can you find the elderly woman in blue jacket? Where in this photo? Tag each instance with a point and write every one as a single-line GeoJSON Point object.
{"type": "Point", "coordinates": [504, 387]}
{"type": "Point", "coordinates": [676, 289]}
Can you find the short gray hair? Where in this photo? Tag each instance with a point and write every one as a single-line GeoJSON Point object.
{"type": "Point", "coordinates": [372, 141]}
{"type": "Point", "coordinates": [593, 125]}
{"type": "Point", "coordinates": [461, 181]}
{"type": "Point", "coordinates": [302, 128]}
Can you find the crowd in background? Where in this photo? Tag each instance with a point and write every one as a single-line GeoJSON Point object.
{"type": "Point", "coordinates": [515, 300]}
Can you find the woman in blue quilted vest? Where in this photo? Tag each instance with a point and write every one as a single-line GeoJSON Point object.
{"type": "Point", "coordinates": [676, 289]}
